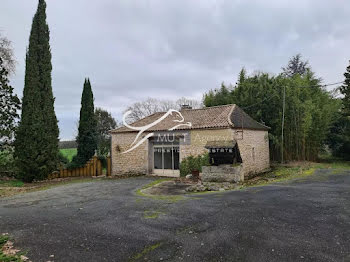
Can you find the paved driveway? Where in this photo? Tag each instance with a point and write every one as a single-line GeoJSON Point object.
{"type": "Point", "coordinates": [307, 220]}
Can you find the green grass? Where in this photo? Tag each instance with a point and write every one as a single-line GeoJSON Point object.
{"type": "Point", "coordinates": [156, 182]}
{"type": "Point", "coordinates": [3, 257]}
{"type": "Point", "coordinates": [11, 183]}
{"type": "Point", "coordinates": [284, 174]}
{"type": "Point", "coordinates": [3, 240]}
{"type": "Point", "coordinates": [280, 174]}
{"type": "Point", "coordinates": [344, 165]}
{"type": "Point", "coordinates": [69, 153]}
{"type": "Point", "coordinates": [147, 214]}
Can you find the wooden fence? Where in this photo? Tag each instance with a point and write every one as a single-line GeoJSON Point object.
{"type": "Point", "coordinates": [92, 168]}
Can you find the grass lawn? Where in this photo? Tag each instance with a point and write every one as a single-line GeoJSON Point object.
{"type": "Point", "coordinates": [11, 183]}
{"type": "Point", "coordinates": [69, 153]}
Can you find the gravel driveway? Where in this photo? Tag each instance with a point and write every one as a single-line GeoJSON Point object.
{"type": "Point", "coordinates": [304, 220]}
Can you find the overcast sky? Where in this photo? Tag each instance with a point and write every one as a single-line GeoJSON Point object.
{"type": "Point", "coordinates": [134, 49]}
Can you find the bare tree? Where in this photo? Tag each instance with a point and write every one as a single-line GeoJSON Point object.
{"type": "Point", "coordinates": [7, 55]}
{"type": "Point", "coordinates": [195, 104]}
{"type": "Point", "coordinates": [142, 109]}
{"type": "Point", "coordinates": [150, 106]}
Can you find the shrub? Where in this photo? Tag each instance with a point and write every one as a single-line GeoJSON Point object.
{"type": "Point", "coordinates": [103, 160]}
{"type": "Point", "coordinates": [193, 163]}
{"type": "Point", "coordinates": [7, 162]}
{"type": "Point", "coordinates": [75, 163]}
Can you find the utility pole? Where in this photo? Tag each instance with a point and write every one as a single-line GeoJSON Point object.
{"type": "Point", "coordinates": [283, 110]}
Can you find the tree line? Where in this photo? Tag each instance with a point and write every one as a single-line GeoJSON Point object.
{"type": "Point", "coordinates": [312, 114]}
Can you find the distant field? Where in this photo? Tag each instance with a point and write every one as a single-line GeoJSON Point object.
{"type": "Point", "coordinates": [69, 153]}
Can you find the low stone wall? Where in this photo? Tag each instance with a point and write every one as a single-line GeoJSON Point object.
{"type": "Point", "coordinates": [222, 173]}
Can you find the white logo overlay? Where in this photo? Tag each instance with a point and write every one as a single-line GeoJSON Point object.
{"type": "Point", "coordinates": [137, 142]}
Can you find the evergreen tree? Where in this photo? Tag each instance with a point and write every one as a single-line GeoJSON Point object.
{"type": "Point", "coordinates": [105, 123]}
{"type": "Point", "coordinates": [296, 66]}
{"type": "Point", "coordinates": [9, 104]}
{"type": "Point", "coordinates": [345, 90]}
{"type": "Point", "coordinates": [310, 110]}
{"type": "Point", "coordinates": [36, 145]}
{"type": "Point", "coordinates": [87, 131]}
{"type": "Point", "coordinates": [339, 139]}
{"type": "Point", "coordinates": [242, 76]}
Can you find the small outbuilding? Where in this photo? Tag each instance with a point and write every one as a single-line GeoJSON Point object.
{"type": "Point", "coordinates": [156, 144]}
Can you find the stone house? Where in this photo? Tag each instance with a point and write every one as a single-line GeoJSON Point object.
{"type": "Point", "coordinates": [156, 144]}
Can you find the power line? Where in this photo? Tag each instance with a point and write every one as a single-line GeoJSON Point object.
{"type": "Point", "coordinates": [283, 108]}
{"type": "Point", "coordinates": [337, 83]}
{"type": "Point", "coordinates": [268, 98]}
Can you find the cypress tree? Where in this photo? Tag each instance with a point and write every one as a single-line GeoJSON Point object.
{"type": "Point", "coordinates": [344, 150]}
{"type": "Point", "coordinates": [36, 145]}
{"type": "Point", "coordinates": [345, 90]}
{"type": "Point", "coordinates": [87, 131]}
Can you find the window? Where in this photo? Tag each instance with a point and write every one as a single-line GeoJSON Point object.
{"type": "Point", "coordinates": [166, 157]}
{"type": "Point", "coordinates": [253, 153]}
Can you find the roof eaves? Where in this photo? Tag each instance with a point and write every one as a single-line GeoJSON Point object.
{"type": "Point", "coordinates": [229, 115]}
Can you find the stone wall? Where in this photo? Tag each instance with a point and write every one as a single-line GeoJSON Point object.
{"type": "Point", "coordinates": [134, 162]}
{"type": "Point", "coordinates": [254, 149]}
{"type": "Point", "coordinates": [253, 146]}
{"type": "Point", "coordinates": [199, 139]}
{"type": "Point", "coordinates": [222, 173]}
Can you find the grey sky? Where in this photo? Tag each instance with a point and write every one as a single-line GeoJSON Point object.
{"type": "Point", "coordinates": [134, 49]}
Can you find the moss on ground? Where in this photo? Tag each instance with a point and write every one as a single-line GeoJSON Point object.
{"type": "Point", "coordinates": [149, 214]}
{"type": "Point", "coordinates": [156, 182]}
{"type": "Point", "coordinates": [294, 173]}
{"type": "Point", "coordinates": [279, 174]}
{"type": "Point", "coordinates": [168, 198]}
{"type": "Point", "coordinates": [145, 251]}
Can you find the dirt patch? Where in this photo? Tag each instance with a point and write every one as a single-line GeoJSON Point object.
{"type": "Point", "coordinates": [168, 188]}
{"type": "Point", "coordinates": [7, 190]}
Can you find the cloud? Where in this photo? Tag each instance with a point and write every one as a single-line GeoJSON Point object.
{"type": "Point", "coordinates": [132, 50]}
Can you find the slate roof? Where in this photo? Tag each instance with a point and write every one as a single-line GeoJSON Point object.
{"type": "Point", "coordinates": [216, 117]}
